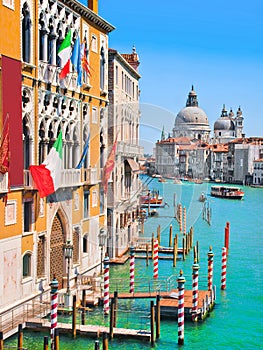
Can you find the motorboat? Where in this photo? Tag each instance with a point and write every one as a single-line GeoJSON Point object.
{"type": "Point", "coordinates": [227, 192]}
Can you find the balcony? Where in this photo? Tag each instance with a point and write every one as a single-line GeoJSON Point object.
{"type": "Point", "coordinates": [69, 178]}
{"type": "Point", "coordinates": [4, 183]}
{"type": "Point", "coordinates": [129, 150]}
{"type": "Point", "coordinates": [90, 176]}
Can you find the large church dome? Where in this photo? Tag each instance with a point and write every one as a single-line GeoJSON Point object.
{"type": "Point", "coordinates": [191, 115]}
{"type": "Point", "coordinates": [192, 121]}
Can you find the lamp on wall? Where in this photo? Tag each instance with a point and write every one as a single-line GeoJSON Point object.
{"type": "Point", "coordinates": [68, 251]}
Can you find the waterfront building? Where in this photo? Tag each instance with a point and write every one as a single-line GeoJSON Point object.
{"type": "Point", "coordinates": [218, 161]}
{"type": "Point", "coordinates": [123, 126]}
{"type": "Point", "coordinates": [258, 172]}
{"type": "Point", "coordinates": [241, 155]}
{"type": "Point", "coordinates": [35, 106]}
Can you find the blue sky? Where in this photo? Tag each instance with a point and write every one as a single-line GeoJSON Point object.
{"type": "Point", "coordinates": [215, 45]}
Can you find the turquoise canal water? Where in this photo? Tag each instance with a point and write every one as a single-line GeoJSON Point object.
{"type": "Point", "coordinates": [237, 319]}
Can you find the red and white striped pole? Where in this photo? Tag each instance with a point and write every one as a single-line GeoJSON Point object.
{"type": "Point", "coordinates": [54, 309]}
{"type": "Point", "coordinates": [210, 255]}
{"type": "Point", "coordinates": [132, 263]}
{"type": "Point", "coordinates": [106, 300]}
{"type": "Point", "coordinates": [155, 258]}
{"type": "Point", "coordinates": [227, 233]}
{"type": "Point", "coordinates": [195, 269]}
{"type": "Point", "coordinates": [223, 271]}
{"type": "Point", "coordinates": [181, 281]}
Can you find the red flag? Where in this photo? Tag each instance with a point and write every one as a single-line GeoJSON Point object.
{"type": "Point", "coordinates": [84, 61]}
{"type": "Point", "coordinates": [108, 167]}
{"type": "Point", "coordinates": [4, 152]}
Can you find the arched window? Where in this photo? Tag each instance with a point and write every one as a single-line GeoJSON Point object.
{"type": "Point", "coordinates": [85, 243]}
{"type": "Point", "coordinates": [27, 265]}
{"type": "Point", "coordinates": [102, 68]}
{"type": "Point", "coordinates": [26, 33]}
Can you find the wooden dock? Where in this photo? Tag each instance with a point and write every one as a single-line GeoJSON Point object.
{"type": "Point", "coordinates": [92, 331]}
{"type": "Point", "coordinates": [169, 302]}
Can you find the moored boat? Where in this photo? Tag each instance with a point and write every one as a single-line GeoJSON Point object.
{"type": "Point", "coordinates": [202, 197]}
{"type": "Point", "coordinates": [227, 192]}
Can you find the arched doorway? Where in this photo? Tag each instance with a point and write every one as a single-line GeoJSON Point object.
{"type": "Point", "coordinates": [57, 240]}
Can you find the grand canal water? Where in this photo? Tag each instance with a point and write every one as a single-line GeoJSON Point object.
{"type": "Point", "coordinates": [237, 319]}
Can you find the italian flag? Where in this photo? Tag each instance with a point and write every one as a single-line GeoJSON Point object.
{"type": "Point", "coordinates": [64, 52]}
{"type": "Point", "coordinates": [47, 175]}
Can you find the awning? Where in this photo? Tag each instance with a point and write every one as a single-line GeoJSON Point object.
{"type": "Point", "coordinates": [134, 165]}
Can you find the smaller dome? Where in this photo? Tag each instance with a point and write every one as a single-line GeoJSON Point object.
{"type": "Point", "coordinates": [224, 123]}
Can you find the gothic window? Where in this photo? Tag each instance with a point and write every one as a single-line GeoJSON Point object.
{"type": "Point", "coordinates": [102, 68]}
{"type": "Point", "coordinates": [26, 143]}
{"type": "Point", "coordinates": [26, 33]}
{"type": "Point", "coordinates": [27, 265]}
{"type": "Point", "coordinates": [42, 37]}
{"type": "Point", "coordinates": [41, 148]}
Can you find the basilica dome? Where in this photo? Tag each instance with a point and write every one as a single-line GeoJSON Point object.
{"type": "Point", "coordinates": [192, 121]}
{"type": "Point", "coordinates": [224, 123]}
{"type": "Point", "coordinates": [191, 115]}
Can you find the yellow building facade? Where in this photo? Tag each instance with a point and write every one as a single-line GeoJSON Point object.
{"type": "Point", "coordinates": [35, 106]}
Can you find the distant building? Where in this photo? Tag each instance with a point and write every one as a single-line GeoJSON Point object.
{"type": "Point", "coordinates": [123, 126]}
{"type": "Point", "coordinates": [258, 172]}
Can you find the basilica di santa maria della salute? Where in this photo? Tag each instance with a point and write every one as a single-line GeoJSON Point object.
{"type": "Point", "coordinates": [194, 153]}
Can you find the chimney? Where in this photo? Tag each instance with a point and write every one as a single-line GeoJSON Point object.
{"type": "Point", "coordinates": [93, 5]}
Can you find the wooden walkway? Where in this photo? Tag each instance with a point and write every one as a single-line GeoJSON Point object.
{"type": "Point", "coordinates": [93, 331]}
{"type": "Point", "coordinates": [169, 302]}
{"type": "Point", "coordinates": [141, 295]}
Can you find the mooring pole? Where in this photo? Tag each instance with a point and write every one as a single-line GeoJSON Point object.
{"type": "Point", "coordinates": [54, 309]}
{"type": "Point", "coordinates": [106, 300]}
{"type": "Point", "coordinates": [171, 235]}
{"type": "Point", "coordinates": [20, 336]}
{"type": "Point", "coordinates": [223, 271]}
{"type": "Point", "coordinates": [1, 341]}
{"type": "Point", "coordinates": [195, 269]}
{"type": "Point", "coordinates": [105, 341]}
{"type": "Point", "coordinates": [181, 282]}
{"type": "Point", "coordinates": [56, 339]}
{"type": "Point", "coordinates": [74, 317]}
{"type": "Point", "coordinates": [158, 316]}
{"type": "Point", "coordinates": [45, 343]}
{"type": "Point", "coordinates": [152, 323]}
{"type": "Point", "coordinates": [210, 255]}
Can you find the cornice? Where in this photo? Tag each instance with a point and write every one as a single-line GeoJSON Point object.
{"type": "Point", "coordinates": [88, 15]}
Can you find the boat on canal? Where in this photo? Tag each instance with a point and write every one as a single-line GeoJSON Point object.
{"type": "Point", "coordinates": [227, 192]}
